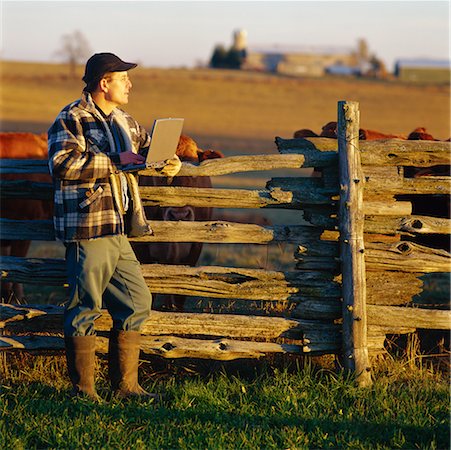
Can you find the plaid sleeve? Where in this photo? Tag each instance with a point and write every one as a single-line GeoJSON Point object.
{"type": "Point", "coordinates": [71, 157]}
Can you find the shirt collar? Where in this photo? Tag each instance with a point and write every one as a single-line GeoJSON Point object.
{"type": "Point", "coordinates": [99, 110]}
{"type": "Point", "coordinates": [88, 103]}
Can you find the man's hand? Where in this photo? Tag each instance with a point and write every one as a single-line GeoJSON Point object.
{"type": "Point", "coordinates": [131, 158]}
{"type": "Point", "coordinates": [172, 167]}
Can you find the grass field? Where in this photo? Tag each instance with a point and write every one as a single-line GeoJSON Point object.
{"type": "Point", "coordinates": [298, 407]}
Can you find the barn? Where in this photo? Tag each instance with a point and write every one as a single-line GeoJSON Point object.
{"type": "Point", "coordinates": [423, 70]}
{"type": "Point", "coordinates": [298, 60]}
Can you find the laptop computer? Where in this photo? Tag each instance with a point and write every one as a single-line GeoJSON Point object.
{"type": "Point", "coordinates": [164, 140]}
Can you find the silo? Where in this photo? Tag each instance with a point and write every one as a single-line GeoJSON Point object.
{"type": "Point", "coordinates": [240, 40]}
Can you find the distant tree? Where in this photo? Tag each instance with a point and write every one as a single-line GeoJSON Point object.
{"type": "Point", "coordinates": [74, 50]}
{"type": "Point", "coordinates": [218, 58]}
{"type": "Point", "coordinates": [226, 59]}
{"type": "Point", "coordinates": [234, 59]}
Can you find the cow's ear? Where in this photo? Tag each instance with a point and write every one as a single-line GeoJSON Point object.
{"type": "Point", "coordinates": [209, 154]}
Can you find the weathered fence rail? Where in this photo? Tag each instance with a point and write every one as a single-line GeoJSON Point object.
{"type": "Point", "coordinates": [353, 275]}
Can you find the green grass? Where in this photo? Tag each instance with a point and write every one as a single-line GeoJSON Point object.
{"type": "Point", "coordinates": [296, 407]}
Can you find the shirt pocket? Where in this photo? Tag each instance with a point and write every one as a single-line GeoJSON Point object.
{"type": "Point", "coordinates": [91, 196]}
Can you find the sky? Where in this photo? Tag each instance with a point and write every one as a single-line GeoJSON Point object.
{"type": "Point", "coordinates": [184, 33]}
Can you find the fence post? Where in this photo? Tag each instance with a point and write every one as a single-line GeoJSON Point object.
{"type": "Point", "coordinates": [351, 222]}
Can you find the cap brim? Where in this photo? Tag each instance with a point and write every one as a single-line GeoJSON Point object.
{"type": "Point", "coordinates": [125, 66]}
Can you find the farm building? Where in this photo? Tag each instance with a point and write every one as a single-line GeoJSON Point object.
{"type": "Point", "coordinates": [423, 70]}
{"type": "Point", "coordinates": [302, 60]}
{"type": "Point", "coordinates": [298, 60]}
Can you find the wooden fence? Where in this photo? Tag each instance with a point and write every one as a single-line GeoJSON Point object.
{"type": "Point", "coordinates": [354, 273]}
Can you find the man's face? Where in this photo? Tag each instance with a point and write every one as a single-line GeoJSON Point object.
{"type": "Point", "coordinates": [118, 88]}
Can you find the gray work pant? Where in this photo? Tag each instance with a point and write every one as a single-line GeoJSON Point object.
{"type": "Point", "coordinates": [104, 269]}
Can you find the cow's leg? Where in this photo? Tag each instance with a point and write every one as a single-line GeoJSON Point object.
{"type": "Point", "coordinates": [142, 252]}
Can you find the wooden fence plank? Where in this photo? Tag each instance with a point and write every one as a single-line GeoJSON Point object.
{"type": "Point", "coordinates": [35, 318]}
{"type": "Point", "coordinates": [382, 224]}
{"type": "Point", "coordinates": [209, 281]}
{"type": "Point", "coordinates": [237, 233]}
{"type": "Point", "coordinates": [387, 316]}
{"type": "Point", "coordinates": [391, 288]}
{"type": "Point", "coordinates": [410, 186]}
{"type": "Point", "coordinates": [221, 198]}
{"type": "Point", "coordinates": [402, 257]}
{"type": "Point", "coordinates": [407, 256]}
{"type": "Point", "coordinates": [407, 225]}
{"type": "Point", "coordinates": [180, 196]}
{"type": "Point", "coordinates": [211, 167]}
{"type": "Point", "coordinates": [245, 284]}
{"type": "Point", "coordinates": [384, 152]}
{"type": "Point", "coordinates": [300, 186]}
{"type": "Point", "coordinates": [165, 346]}
{"type": "Point", "coordinates": [24, 166]}
{"type": "Point", "coordinates": [214, 232]}
{"type": "Point", "coordinates": [26, 189]}
{"type": "Point", "coordinates": [217, 349]}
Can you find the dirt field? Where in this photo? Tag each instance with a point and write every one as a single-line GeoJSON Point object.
{"type": "Point", "coordinates": [236, 112]}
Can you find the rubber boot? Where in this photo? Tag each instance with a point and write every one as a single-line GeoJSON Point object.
{"type": "Point", "coordinates": [80, 356]}
{"type": "Point", "coordinates": [123, 361]}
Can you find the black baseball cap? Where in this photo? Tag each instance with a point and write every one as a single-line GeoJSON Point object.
{"type": "Point", "coordinates": [101, 63]}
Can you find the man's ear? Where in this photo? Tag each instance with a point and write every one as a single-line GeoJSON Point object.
{"type": "Point", "coordinates": [103, 85]}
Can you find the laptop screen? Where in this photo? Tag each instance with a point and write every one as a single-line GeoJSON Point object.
{"type": "Point", "coordinates": [165, 138]}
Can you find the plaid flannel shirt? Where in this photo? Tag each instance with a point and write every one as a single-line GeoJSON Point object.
{"type": "Point", "coordinates": [84, 165]}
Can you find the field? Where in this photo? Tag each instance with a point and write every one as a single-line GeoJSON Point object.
{"type": "Point", "coordinates": [272, 404]}
{"type": "Point", "coordinates": [237, 112]}
{"type": "Point", "coordinates": [265, 408]}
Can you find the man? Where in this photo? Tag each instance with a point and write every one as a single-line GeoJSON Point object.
{"type": "Point", "coordinates": [96, 205]}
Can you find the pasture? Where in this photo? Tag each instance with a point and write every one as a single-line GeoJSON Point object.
{"type": "Point", "coordinates": [302, 407]}
{"type": "Point", "coordinates": [236, 112]}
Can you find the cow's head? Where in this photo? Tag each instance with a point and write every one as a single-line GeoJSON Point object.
{"type": "Point", "coordinates": [187, 151]}
{"type": "Point", "coordinates": [420, 134]}
{"type": "Point", "coordinates": [329, 130]}
{"type": "Point", "coordinates": [304, 133]}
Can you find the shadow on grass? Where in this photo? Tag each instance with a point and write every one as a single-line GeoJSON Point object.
{"type": "Point", "coordinates": [132, 421]}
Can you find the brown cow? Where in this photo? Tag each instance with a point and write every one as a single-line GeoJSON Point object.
{"type": "Point", "coordinates": [22, 146]}
{"type": "Point", "coordinates": [304, 133]}
{"type": "Point", "coordinates": [330, 130]}
{"type": "Point", "coordinates": [420, 134]}
{"type": "Point", "coordinates": [186, 253]}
